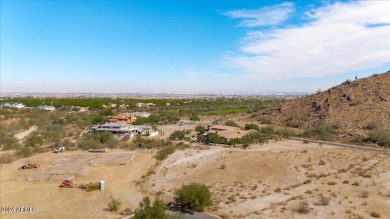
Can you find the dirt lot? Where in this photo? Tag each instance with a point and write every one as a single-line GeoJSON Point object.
{"type": "Point", "coordinates": [284, 179]}
{"type": "Point", "coordinates": [39, 188]}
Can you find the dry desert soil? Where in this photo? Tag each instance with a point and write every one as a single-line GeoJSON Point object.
{"type": "Point", "coordinates": [284, 179]}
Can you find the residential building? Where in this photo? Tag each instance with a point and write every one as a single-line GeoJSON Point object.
{"type": "Point", "coordinates": [121, 128]}
{"type": "Point", "coordinates": [44, 107]}
{"type": "Point", "coordinates": [138, 114]}
{"type": "Point", "coordinates": [122, 118]}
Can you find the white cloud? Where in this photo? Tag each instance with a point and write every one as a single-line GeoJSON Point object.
{"type": "Point", "coordinates": [334, 39]}
{"type": "Point", "coordinates": [265, 16]}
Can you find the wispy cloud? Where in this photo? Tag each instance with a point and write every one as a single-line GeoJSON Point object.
{"type": "Point", "coordinates": [265, 16]}
{"type": "Point", "coordinates": [333, 39]}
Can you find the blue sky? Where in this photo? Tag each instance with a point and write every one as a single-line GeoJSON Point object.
{"type": "Point", "coordinates": [190, 46]}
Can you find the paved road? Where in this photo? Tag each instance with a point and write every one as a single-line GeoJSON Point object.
{"type": "Point", "coordinates": [197, 215]}
{"type": "Point", "coordinates": [344, 145]}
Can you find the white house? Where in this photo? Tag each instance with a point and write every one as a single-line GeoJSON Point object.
{"type": "Point", "coordinates": [43, 107]}
{"type": "Point", "coordinates": [138, 114]}
{"type": "Point", "coordinates": [121, 128]}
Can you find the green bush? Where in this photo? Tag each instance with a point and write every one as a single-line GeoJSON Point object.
{"type": "Point", "coordinates": [89, 143]}
{"type": "Point", "coordinates": [232, 123]}
{"type": "Point", "coordinates": [380, 137]}
{"type": "Point", "coordinates": [178, 135]}
{"type": "Point", "coordinates": [200, 129]}
{"type": "Point", "coordinates": [7, 141]}
{"type": "Point", "coordinates": [214, 138]}
{"type": "Point", "coordinates": [194, 117]}
{"type": "Point", "coordinates": [286, 133]}
{"type": "Point", "coordinates": [148, 211]}
{"type": "Point", "coordinates": [268, 131]}
{"type": "Point", "coordinates": [251, 126]}
{"type": "Point", "coordinates": [194, 196]}
{"type": "Point", "coordinates": [34, 140]}
{"type": "Point", "coordinates": [320, 132]}
{"type": "Point", "coordinates": [163, 153]}
{"type": "Point", "coordinates": [104, 137]}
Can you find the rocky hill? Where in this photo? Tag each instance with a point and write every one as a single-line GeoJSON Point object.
{"type": "Point", "coordinates": [352, 107]}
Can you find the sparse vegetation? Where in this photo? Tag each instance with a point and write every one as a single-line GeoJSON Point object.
{"type": "Point", "coordinates": [164, 152]}
{"type": "Point", "coordinates": [89, 186]}
{"type": "Point", "coordinates": [113, 205]}
{"type": "Point", "coordinates": [320, 132]}
{"type": "Point", "coordinates": [303, 208]}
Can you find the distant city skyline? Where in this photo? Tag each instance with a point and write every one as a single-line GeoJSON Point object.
{"type": "Point", "coordinates": [190, 46]}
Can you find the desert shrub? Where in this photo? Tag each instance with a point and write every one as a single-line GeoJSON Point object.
{"type": "Point", "coordinates": [89, 186]}
{"type": "Point", "coordinates": [194, 117]}
{"type": "Point", "coordinates": [251, 126]}
{"type": "Point", "coordinates": [214, 138]}
{"type": "Point", "coordinates": [355, 183]}
{"type": "Point", "coordinates": [357, 141]}
{"type": "Point", "coordinates": [114, 205]}
{"type": "Point", "coordinates": [268, 131]}
{"type": "Point", "coordinates": [148, 143]}
{"type": "Point", "coordinates": [89, 143]}
{"type": "Point", "coordinates": [194, 196]}
{"type": "Point", "coordinates": [307, 181]}
{"type": "Point", "coordinates": [112, 143]}
{"type": "Point", "coordinates": [323, 200]}
{"type": "Point", "coordinates": [265, 120]}
{"type": "Point", "coordinates": [372, 125]}
{"type": "Point", "coordinates": [375, 214]}
{"type": "Point", "coordinates": [200, 129]}
{"type": "Point", "coordinates": [182, 145]}
{"type": "Point", "coordinates": [364, 194]}
{"type": "Point", "coordinates": [104, 137]}
{"type": "Point", "coordinates": [7, 141]}
{"type": "Point", "coordinates": [303, 208]}
{"type": "Point", "coordinates": [222, 166]}
{"type": "Point", "coordinates": [380, 137]}
{"type": "Point", "coordinates": [292, 123]}
{"type": "Point", "coordinates": [178, 135]}
{"type": "Point", "coordinates": [164, 152]}
{"type": "Point", "coordinates": [320, 132]}
{"type": "Point", "coordinates": [146, 210]}
{"type": "Point", "coordinates": [34, 140]}
{"type": "Point", "coordinates": [231, 123]}
{"type": "Point", "coordinates": [332, 183]}
{"type": "Point", "coordinates": [286, 133]}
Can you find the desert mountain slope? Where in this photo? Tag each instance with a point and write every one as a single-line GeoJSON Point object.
{"type": "Point", "coordinates": [350, 106]}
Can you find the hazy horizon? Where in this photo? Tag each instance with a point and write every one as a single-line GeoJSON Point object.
{"type": "Point", "coordinates": [190, 46]}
